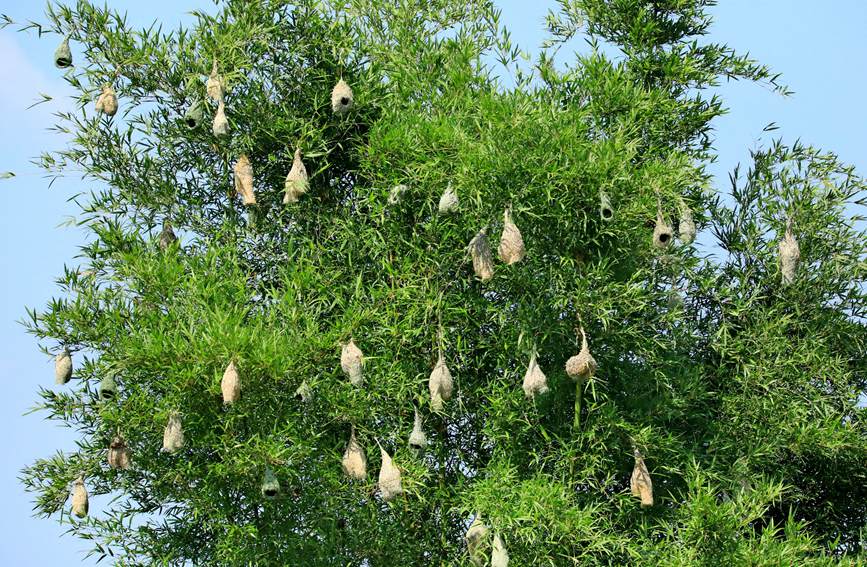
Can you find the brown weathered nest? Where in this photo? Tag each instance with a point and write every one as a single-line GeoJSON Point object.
{"type": "Point", "coordinates": [107, 101]}
{"type": "Point", "coordinates": [640, 483]}
{"type": "Point", "coordinates": [118, 453]}
{"type": "Point", "coordinates": [296, 183]}
{"type": "Point", "coordinates": [440, 384]}
{"type": "Point", "coordinates": [499, 555]}
{"type": "Point", "coordinates": [483, 261]}
{"type": "Point", "coordinates": [231, 384]}
{"type": "Point", "coordinates": [354, 459]}
{"type": "Point", "coordinates": [167, 236]}
{"type": "Point", "coordinates": [214, 85]}
{"type": "Point", "coordinates": [351, 361]}
{"type": "Point", "coordinates": [581, 366]}
{"type": "Point", "coordinates": [535, 382]}
{"type": "Point", "coordinates": [511, 249]}
{"type": "Point", "coordinates": [395, 196]}
{"type": "Point", "coordinates": [244, 180]}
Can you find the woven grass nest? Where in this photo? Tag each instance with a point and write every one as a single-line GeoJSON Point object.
{"type": "Point", "coordinates": [640, 484]}
{"type": "Point", "coordinates": [230, 385]}
{"type": "Point", "coordinates": [582, 366]}
{"type": "Point", "coordinates": [351, 362]}
{"type": "Point", "coordinates": [342, 99]}
{"type": "Point", "coordinates": [62, 367]}
{"type": "Point", "coordinates": [106, 102]}
{"type": "Point", "coordinates": [440, 384]}
{"type": "Point", "coordinates": [790, 255]}
{"type": "Point", "coordinates": [296, 183]}
{"type": "Point", "coordinates": [63, 55]}
{"type": "Point", "coordinates": [535, 381]}
{"type": "Point", "coordinates": [354, 459]}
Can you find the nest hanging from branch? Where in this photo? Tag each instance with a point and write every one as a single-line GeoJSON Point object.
{"type": "Point", "coordinates": [63, 55]}
{"type": "Point", "coordinates": [662, 232]}
{"type": "Point", "coordinates": [417, 438]}
{"type": "Point", "coordinates": [214, 85]}
{"type": "Point", "coordinates": [483, 261]}
{"type": "Point", "coordinates": [173, 436]}
{"type": "Point", "coordinates": [107, 101]}
{"type": "Point", "coordinates": [220, 126]}
{"type": "Point", "coordinates": [686, 225]}
{"type": "Point", "coordinates": [440, 384]}
{"type": "Point", "coordinates": [107, 388]}
{"type": "Point", "coordinates": [62, 367]}
{"type": "Point", "coordinates": [790, 255]}
{"type": "Point", "coordinates": [118, 453]}
{"type": "Point", "coordinates": [640, 484]}
{"type": "Point", "coordinates": [80, 503]}
{"type": "Point", "coordinates": [354, 459]}
{"type": "Point", "coordinates": [194, 115]}
{"type": "Point", "coordinates": [270, 485]}
{"type": "Point", "coordinates": [511, 249]}
{"type": "Point", "coordinates": [304, 392]}
{"type": "Point", "coordinates": [297, 182]}
{"type": "Point", "coordinates": [231, 384]}
{"type": "Point", "coordinates": [244, 180]}
{"type": "Point", "coordinates": [448, 201]}
{"type": "Point", "coordinates": [167, 236]}
{"type": "Point", "coordinates": [389, 478]}
{"type": "Point", "coordinates": [535, 382]}
{"type": "Point", "coordinates": [499, 555]}
{"type": "Point", "coordinates": [606, 211]}
{"type": "Point", "coordinates": [342, 99]}
{"type": "Point", "coordinates": [582, 366]}
{"type": "Point", "coordinates": [351, 361]}
{"type": "Point", "coordinates": [476, 538]}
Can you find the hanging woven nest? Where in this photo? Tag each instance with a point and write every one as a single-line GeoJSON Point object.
{"type": "Point", "coordinates": [483, 261]}
{"type": "Point", "coordinates": [220, 126]}
{"type": "Point", "coordinates": [118, 453]}
{"type": "Point", "coordinates": [686, 225]}
{"type": "Point", "coordinates": [194, 114]}
{"type": "Point", "coordinates": [662, 233]}
{"type": "Point", "coordinates": [270, 485]}
{"type": "Point", "coordinates": [244, 180]}
{"type": "Point", "coordinates": [297, 182]}
{"type": "Point", "coordinates": [80, 504]}
{"type": "Point", "coordinates": [214, 85]}
{"type": "Point", "coordinates": [304, 392]}
{"type": "Point", "coordinates": [107, 388]}
{"type": "Point", "coordinates": [499, 555]}
{"type": "Point", "coordinates": [231, 384]}
{"type": "Point", "coordinates": [173, 435]}
{"type": "Point", "coordinates": [341, 98]}
{"type": "Point", "coordinates": [167, 236]}
{"type": "Point", "coordinates": [395, 196]}
{"type": "Point", "coordinates": [476, 538]}
{"type": "Point", "coordinates": [354, 459]}
{"type": "Point", "coordinates": [63, 55]}
{"type": "Point", "coordinates": [640, 483]}
{"type": "Point", "coordinates": [417, 439]}
{"type": "Point", "coordinates": [351, 361]}
{"type": "Point", "coordinates": [606, 211]}
{"type": "Point", "coordinates": [581, 366]}
{"type": "Point", "coordinates": [107, 101]}
{"type": "Point", "coordinates": [790, 255]}
{"type": "Point", "coordinates": [389, 478]}
{"type": "Point", "coordinates": [448, 201]}
{"type": "Point", "coordinates": [511, 249]}
{"type": "Point", "coordinates": [440, 384]}
{"type": "Point", "coordinates": [62, 367]}
{"type": "Point", "coordinates": [535, 382]}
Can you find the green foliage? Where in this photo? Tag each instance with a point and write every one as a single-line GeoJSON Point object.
{"type": "Point", "coordinates": [743, 398]}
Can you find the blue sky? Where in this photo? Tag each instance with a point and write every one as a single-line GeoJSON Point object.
{"type": "Point", "coordinates": [817, 46]}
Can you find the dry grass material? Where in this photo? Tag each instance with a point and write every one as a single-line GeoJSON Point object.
{"type": "Point", "coordinates": [499, 555]}
{"type": "Point", "coordinates": [231, 384]}
{"type": "Point", "coordinates": [354, 459]}
{"type": "Point", "coordinates": [483, 261]}
{"type": "Point", "coordinates": [640, 484]}
{"type": "Point", "coordinates": [449, 201]}
{"type": "Point", "coordinates": [215, 86]}
{"type": "Point", "coordinates": [342, 99]}
{"type": "Point", "coordinates": [511, 249]}
{"type": "Point", "coordinates": [389, 478]}
{"type": "Point", "coordinates": [351, 361]}
{"type": "Point", "coordinates": [582, 366]}
{"type": "Point", "coordinates": [107, 101]}
{"type": "Point", "coordinates": [686, 224]}
{"type": "Point", "coordinates": [63, 55]}
{"type": "Point", "coordinates": [244, 180]}
{"type": "Point", "coordinates": [167, 236]}
{"type": "Point", "coordinates": [535, 381]}
{"type": "Point", "coordinates": [297, 182]}
{"type": "Point", "coordinates": [173, 436]}
{"type": "Point", "coordinates": [417, 438]}
{"type": "Point", "coordinates": [270, 485]}
{"type": "Point", "coordinates": [118, 454]}
{"type": "Point", "coordinates": [606, 211]}
{"type": "Point", "coordinates": [790, 255]}
{"type": "Point", "coordinates": [440, 385]}
{"type": "Point", "coordinates": [476, 538]}
{"type": "Point", "coordinates": [80, 503]}
{"type": "Point", "coordinates": [62, 367]}
{"type": "Point", "coordinates": [395, 196]}
{"type": "Point", "coordinates": [107, 388]}
{"type": "Point", "coordinates": [220, 126]}
{"type": "Point", "coordinates": [662, 233]}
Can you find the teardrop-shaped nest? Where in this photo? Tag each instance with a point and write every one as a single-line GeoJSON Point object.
{"type": "Point", "coordinates": [244, 180]}
{"type": "Point", "coordinates": [63, 55]}
{"type": "Point", "coordinates": [107, 101]}
{"type": "Point", "coordinates": [215, 86]}
{"type": "Point", "coordinates": [173, 436]}
{"type": "Point", "coordinates": [448, 201]}
{"type": "Point", "coordinates": [417, 438]}
{"type": "Point", "coordinates": [606, 211]}
{"type": "Point", "coordinates": [270, 487]}
{"type": "Point", "coordinates": [342, 99]}
{"type": "Point", "coordinates": [476, 538]}
{"type": "Point", "coordinates": [389, 478]}
{"type": "Point", "coordinates": [118, 454]}
{"type": "Point", "coordinates": [220, 126]}
{"type": "Point", "coordinates": [511, 249]}
{"type": "Point", "coordinates": [296, 183]}
{"type": "Point", "coordinates": [790, 255]}
{"type": "Point", "coordinates": [62, 367]}
{"type": "Point", "coordinates": [440, 384]}
{"type": "Point", "coordinates": [499, 555]}
{"type": "Point", "coordinates": [80, 503]}
{"type": "Point", "coordinates": [640, 483]}
{"type": "Point", "coordinates": [351, 361]}
{"type": "Point", "coordinates": [686, 225]}
{"type": "Point", "coordinates": [107, 388]}
{"type": "Point", "coordinates": [662, 233]}
{"type": "Point", "coordinates": [231, 384]}
{"type": "Point", "coordinates": [483, 261]}
{"type": "Point", "coordinates": [535, 382]}
{"type": "Point", "coordinates": [194, 114]}
{"type": "Point", "coordinates": [581, 366]}
{"type": "Point", "coordinates": [354, 459]}
{"type": "Point", "coordinates": [167, 236]}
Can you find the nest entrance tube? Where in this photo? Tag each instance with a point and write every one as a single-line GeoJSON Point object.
{"type": "Point", "coordinates": [62, 367]}
{"type": "Point", "coordinates": [354, 460]}
{"type": "Point", "coordinates": [640, 484]}
{"type": "Point", "coordinates": [297, 182]}
{"type": "Point", "coordinates": [270, 485]}
{"type": "Point", "coordinates": [63, 55]}
{"type": "Point", "coordinates": [606, 211]}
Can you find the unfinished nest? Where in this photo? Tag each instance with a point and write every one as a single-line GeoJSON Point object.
{"type": "Point", "coordinates": [118, 453]}
{"type": "Point", "coordinates": [476, 538]}
{"type": "Point", "coordinates": [214, 85]}
{"type": "Point", "coordinates": [220, 126]}
{"type": "Point", "coordinates": [107, 388]}
{"type": "Point", "coordinates": [80, 504]}
{"type": "Point", "coordinates": [194, 115]}
{"type": "Point", "coordinates": [173, 436]}
{"type": "Point", "coordinates": [511, 249]}
{"type": "Point", "coordinates": [448, 201]}
{"type": "Point", "coordinates": [535, 382]}
{"type": "Point", "coordinates": [440, 384]}
{"type": "Point", "coordinates": [640, 483]}
{"type": "Point", "coordinates": [270, 487]}
{"type": "Point", "coordinates": [483, 261]}
{"type": "Point", "coordinates": [297, 182]}
{"type": "Point", "coordinates": [417, 438]}
{"type": "Point", "coordinates": [63, 55]}
{"type": "Point", "coordinates": [341, 98]}
{"type": "Point", "coordinates": [499, 555]}
{"type": "Point", "coordinates": [351, 361]}
{"type": "Point", "coordinates": [790, 255]}
{"type": "Point", "coordinates": [304, 392]}
{"type": "Point", "coordinates": [231, 384]}
{"type": "Point", "coordinates": [107, 101]}
{"type": "Point", "coordinates": [244, 180]}
{"type": "Point", "coordinates": [354, 459]}
{"type": "Point", "coordinates": [395, 196]}
{"type": "Point", "coordinates": [686, 225]}
{"type": "Point", "coordinates": [167, 236]}
{"type": "Point", "coordinates": [662, 233]}
{"type": "Point", "coordinates": [62, 367]}
{"type": "Point", "coordinates": [581, 366]}
{"type": "Point", "coordinates": [606, 211]}
{"type": "Point", "coordinates": [389, 478]}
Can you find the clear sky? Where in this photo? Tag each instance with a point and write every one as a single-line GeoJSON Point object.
{"type": "Point", "coordinates": [817, 46]}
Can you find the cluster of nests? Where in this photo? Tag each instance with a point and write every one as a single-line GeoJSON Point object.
{"type": "Point", "coordinates": [511, 250]}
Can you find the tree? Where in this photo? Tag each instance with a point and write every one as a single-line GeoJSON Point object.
{"type": "Point", "coordinates": [739, 394]}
